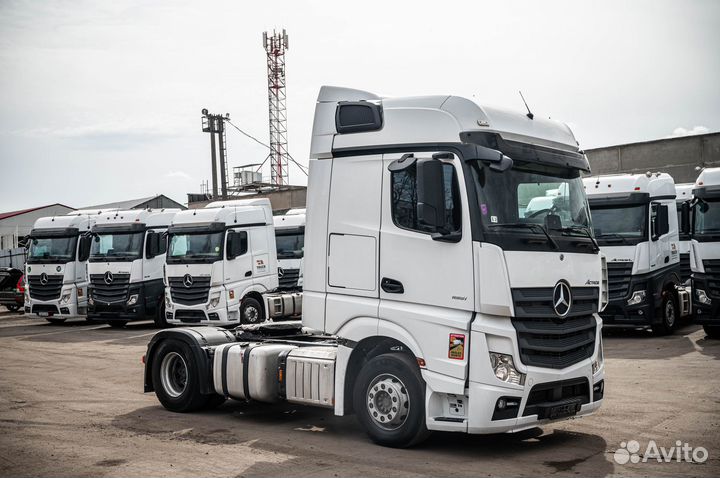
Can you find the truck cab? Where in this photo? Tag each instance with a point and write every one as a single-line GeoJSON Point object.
{"type": "Point", "coordinates": [221, 259]}
{"type": "Point", "coordinates": [683, 195]}
{"type": "Point", "coordinates": [636, 225]}
{"type": "Point", "coordinates": [704, 228]}
{"type": "Point", "coordinates": [127, 257]}
{"type": "Point", "coordinates": [290, 242]}
{"type": "Point", "coordinates": [56, 266]}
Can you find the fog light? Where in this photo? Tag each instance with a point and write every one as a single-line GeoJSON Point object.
{"type": "Point", "coordinates": [214, 300]}
{"type": "Point", "coordinates": [505, 370]}
{"type": "Point", "coordinates": [132, 300]}
{"type": "Point", "coordinates": [702, 297]}
{"type": "Point", "coordinates": [638, 297]}
{"type": "Point", "coordinates": [65, 297]}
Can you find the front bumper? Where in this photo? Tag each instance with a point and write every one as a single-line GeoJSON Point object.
{"type": "Point", "coordinates": [118, 310]}
{"type": "Point", "coordinates": [202, 314]}
{"type": "Point", "coordinates": [53, 308]}
{"type": "Point", "coordinates": [619, 314]}
{"type": "Point", "coordinates": [704, 314]}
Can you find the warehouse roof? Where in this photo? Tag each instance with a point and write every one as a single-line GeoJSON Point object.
{"type": "Point", "coordinates": [159, 201]}
{"type": "Point", "coordinates": [5, 215]}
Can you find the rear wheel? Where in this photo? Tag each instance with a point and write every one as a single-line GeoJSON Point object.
{"type": "Point", "coordinates": [250, 311]}
{"type": "Point", "coordinates": [712, 331]}
{"type": "Point", "coordinates": [175, 377]}
{"type": "Point", "coordinates": [668, 311]}
{"type": "Point", "coordinates": [389, 399]}
{"type": "Point", "coordinates": [117, 324]}
{"type": "Point", "coordinates": [56, 321]}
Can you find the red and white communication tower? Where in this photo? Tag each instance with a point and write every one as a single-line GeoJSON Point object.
{"type": "Point", "coordinates": [275, 46]}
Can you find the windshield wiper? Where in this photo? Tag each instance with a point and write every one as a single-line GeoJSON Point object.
{"type": "Point", "coordinates": [614, 236]}
{"type": "Point", "coordinates": [583, 230]}
{"type": "Point", "coordinates": [529, 225]}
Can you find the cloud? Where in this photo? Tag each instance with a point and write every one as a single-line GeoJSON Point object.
{"type": "Point", "coordinates": [178, 175]}
{"type": "Point", "coordinates": [680, 131]}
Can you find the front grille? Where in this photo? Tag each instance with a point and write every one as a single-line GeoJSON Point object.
{"type": "Point", "coordinates": [552, 343]}
{"type": "Point", "coordinates": [685, 270]}
{"type": "Point", "coordinates": [538, 302]}
{"type": "Point", "coordinates": [712, 271]}
{"type": "Point", "coordinates": [115, 291]}
{"type": "Point", "coordinates": [48, 291]}
{"type": "Point", "coordinates": [547, 394]}
{"type": "Point", "coordinates": [189, 316]}
{"type": "Point", "coordinates": [619, 274]}
{"type": "Point", "coordinates": [197, 293]}
{"type": "Point", "coordinates": [289, 279]}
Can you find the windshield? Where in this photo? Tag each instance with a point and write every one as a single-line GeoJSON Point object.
{"type": "Point", "coordinates": [195, 247]}
{"type": "Point", "coordinates": [290, 244]}
{"type": "Point", "coordinates": [707, 219]}
{"type": "Point", "coordinates": [117, 247]}
{"type": "Point", "coordinates": [620, 224]}
{"type": "Point", "coordinates": [531, 200]}
{"type": "Point", "coordinates": [50, 250]}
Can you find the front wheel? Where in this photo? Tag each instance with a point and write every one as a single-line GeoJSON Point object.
{"type": "Point", "coordinates": [712, 331]}
{"type": "Point", "coordinates": [250, 311]}
{"type": "Point", "coordinates": [669, 316]}
{"type": "Point", "coordinates": [160, 318]}
{"type": "Point", "coordinates": [175, 377]}
{"type": "Point", "coordinates": [389, 399]}
{"type": "Point", "coordinates": [13, 307]}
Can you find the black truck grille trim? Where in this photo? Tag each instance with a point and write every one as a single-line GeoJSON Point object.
{"type": "Point", "coordinates": [619, 274]}
{"type": "Point", "coordinates": [197, 293]}
{"type": "Point", "coordinates": [48, 291]}
{"type": "Point", "coordinates": [190, 316]}
{"type": "Point", "coordinates": [538, 302]}
{"type": "Point", "coordinates": [115, 291]}
{"type": "Point", "coordinates": [547, 394]}
{"type": "Point", "coordinates": [685, 270]}
{"type": "Point", "coordinates": [290, 277]}
{"type": "Point", "coordinates": [552, 343]}
{"type": "Point", "coordinates": [712, 272]}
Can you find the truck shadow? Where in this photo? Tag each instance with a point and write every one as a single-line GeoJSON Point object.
{"type": "Point", "coordinates": [642, 344]}
{"type": "Point", "coordinates": [322, 443]}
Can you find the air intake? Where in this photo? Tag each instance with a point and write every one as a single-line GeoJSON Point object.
{"type": "Point", "coordinates": [357, 117]}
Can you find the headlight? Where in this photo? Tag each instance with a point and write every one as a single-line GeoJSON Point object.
{"type": "Point", "coordinates": [65, 297]}
{"type": "Point", "coordinates": [132, 300]}
{"type": "Point", "coordinates": [27, 296]}
{"type": "Point", "coordinates": [638, 297]}
{"type": "Point", "coordinates": [597, 363]}
{"type": "Point", "coordinates": [214, 300]}
{"type": "Point", "coordinates": [604, 298]}
{"type": "Point", "coordinates": [702, 297]}
{"type": "Point", "coordinates": [505, 370]}
{"type": "Point", "coordinates": [168, 302]}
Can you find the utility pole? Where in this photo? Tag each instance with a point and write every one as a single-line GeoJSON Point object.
{"type": "Point", "coordinates": [215, 124]}
{"type": "Point", "coordinates": [275, 47]}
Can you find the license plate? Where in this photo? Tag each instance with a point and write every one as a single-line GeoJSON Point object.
{"type": "Point", "coordinates": [43, 314]}
{"type": "Point", "coordinates": [566, 410]}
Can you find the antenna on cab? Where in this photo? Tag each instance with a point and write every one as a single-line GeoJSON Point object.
{"type": "Point", "coordinates": [529, 113]}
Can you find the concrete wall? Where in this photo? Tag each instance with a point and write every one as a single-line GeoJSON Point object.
{"type": "Point", "coordinates": [676, 156]}
{"type": "Point", "coordinates": [292, 197]}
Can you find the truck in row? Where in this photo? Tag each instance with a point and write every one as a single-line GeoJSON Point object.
{"type": "Point", "coordinates": [437, 302]}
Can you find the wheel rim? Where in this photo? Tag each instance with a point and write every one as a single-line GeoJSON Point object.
{"type": "Point", "coordinates": [173, 374]}
{"type": "Point", "coordinates": [388, 402]}
{"type": "Point", "coordinates": [670, 313]}
{"type": "Point", "coordinates": [251, 314]}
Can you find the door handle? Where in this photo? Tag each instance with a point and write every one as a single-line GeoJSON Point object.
{"type": "Point", "coordinates": [392, 286]}
{"type": "Point", "coordinates": [248, 273]}
{"type": "Point", "coordinates": [667, 259]}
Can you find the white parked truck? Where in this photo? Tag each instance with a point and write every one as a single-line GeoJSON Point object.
{"type": "Point", "coordinates": [683, 195]}
{"type": "Point", "coordinates": [704, 228]}
{"type": "Point", "coordinates": [222, 265]}
{"type": "Point", "coordinates": [636, 225]}
{"type": "Point", "coordinates": [127, 257]}
{"type": "Point", "coordinates": [56, 267]}
{"type": "Point", "coordinates": [430, 302]}
{"type": "Point", "coordinates": [290, 243]}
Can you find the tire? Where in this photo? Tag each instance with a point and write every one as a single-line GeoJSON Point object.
{"type": "Point", "coordinates": [13, 307]}
{"type": "Point", "coordinates": [160, 319]}
{"type": "Point", "coordinates": [379, 382]}
{"type": "Point", "coordinates": [117, 324]}
{"type": "Point", "coordinates": [175, 377]}
{"type": "Point", "coordinates": [712, 331]}
{"type": "Point", "coordinates": [668, 316]}
{"type": "Point", "coordinates": [56, 321]}
{"type": "Point", "coordinates": [251, 311]}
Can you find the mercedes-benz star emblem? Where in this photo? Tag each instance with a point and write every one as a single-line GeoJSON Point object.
{"type": "Point", "coordinates": [188, 280]}
{"type": "Point", "coordinates": [108, 277]}
{"type": "Point", "coordinates": [43, 278]}
{"type": "Point", "coordinates": [562, 299]}
{"type": "Point", "coordinates": [281, 272]}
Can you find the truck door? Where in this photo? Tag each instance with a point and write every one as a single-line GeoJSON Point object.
{"type": "Point", "coordinates": [426, 285]}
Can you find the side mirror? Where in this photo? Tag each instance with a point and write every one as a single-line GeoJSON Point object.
{"type": "Point", "coordinates": [685, 218]}
{"type": "Point", "coordinates": [430, 193]}
{"type": "Point", "coordinates": [237, 244]}
{"type": "Point", "coordinates": [152, 245]}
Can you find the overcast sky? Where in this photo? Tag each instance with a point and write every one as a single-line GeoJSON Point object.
{"type": "Point", "coordinates": [100, 101]}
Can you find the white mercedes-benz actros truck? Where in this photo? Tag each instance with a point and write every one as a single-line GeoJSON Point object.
{"type": "Point", "coordinates": [432, 301]}
{"type": "Point", "coordinates": [290, 243]}
{"type": "Point", "coordinates": [705, 251]}
{"type": "Point", "coordinates": [127, 258]}
{"type": "Point", "coordinates": [56, 266]}
{"type": "Point", "coordinates": [636, 225]}
{"type": "Point", "coordinates": [221, 265]}
{"type": "Point", "coordinates": [683, 195]}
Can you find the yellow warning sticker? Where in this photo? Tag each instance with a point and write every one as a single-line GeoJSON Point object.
{"type": "Point", "coordinates": [456, 350]}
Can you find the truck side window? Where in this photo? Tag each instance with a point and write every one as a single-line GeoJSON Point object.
{"type": "Point", "coordinates": [404, 199]}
